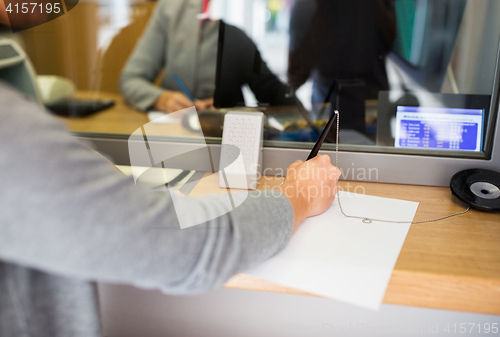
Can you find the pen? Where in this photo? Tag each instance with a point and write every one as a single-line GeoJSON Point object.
{"type": "Point", "coordinates": [322, 137]}
{"type": "Point", "coordinates": [183, 87]}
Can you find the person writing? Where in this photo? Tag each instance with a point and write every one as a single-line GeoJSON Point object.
{"type": "Point", "coordinates": [68, 218]}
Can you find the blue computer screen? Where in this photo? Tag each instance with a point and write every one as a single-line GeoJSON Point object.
{"type": "Point", "coordinates": [439, 128]}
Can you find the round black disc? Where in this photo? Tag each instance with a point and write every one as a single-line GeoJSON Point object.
{"type": "Point", "coordinates": [477, 187]}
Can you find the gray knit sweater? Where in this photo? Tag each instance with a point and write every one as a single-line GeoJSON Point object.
{"type": "Point", "coordinates": [69, 218]}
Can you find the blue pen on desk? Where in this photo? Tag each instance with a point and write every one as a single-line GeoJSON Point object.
{"type": "Point", "coordinates": [183, 87]}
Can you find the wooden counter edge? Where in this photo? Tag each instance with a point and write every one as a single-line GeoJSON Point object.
{"type": "Point", "coordinates": [409, 288]}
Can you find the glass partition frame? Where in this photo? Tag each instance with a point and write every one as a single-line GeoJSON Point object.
{"type": "Point", "coordinates": [357, 163]}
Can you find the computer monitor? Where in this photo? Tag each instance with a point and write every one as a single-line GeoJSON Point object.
{"type": "Point", "coordinates": [239, 64]}
{"type": "Point", "coordinates": [439, 128]}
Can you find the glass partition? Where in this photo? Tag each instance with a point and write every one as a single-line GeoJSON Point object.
{"type": "Point", "coordinates": [408, 76]}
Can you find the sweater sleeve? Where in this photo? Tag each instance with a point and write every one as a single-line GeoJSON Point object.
{"type": "Point", "coordinates": [145, 63]}
{"type": "Point", "coordinates": [66, 210]}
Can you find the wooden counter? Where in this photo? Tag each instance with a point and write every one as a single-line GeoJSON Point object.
{"type": "Point", "coordinates": [121, 119]}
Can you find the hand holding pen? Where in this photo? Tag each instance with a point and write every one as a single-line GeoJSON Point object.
{"type": "Point", "coordinates": [314, 152]}
{"type": "Point", "coordinates": [170, 100]}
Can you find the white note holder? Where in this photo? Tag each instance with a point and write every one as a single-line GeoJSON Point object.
{"type": "Point", "coordinates": [241, 153]}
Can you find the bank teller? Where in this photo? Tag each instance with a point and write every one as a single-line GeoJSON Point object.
{"type": "Point", "coordinates": [181, 40]}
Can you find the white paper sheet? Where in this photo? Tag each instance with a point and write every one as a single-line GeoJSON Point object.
{"type": "Point", "coordinates": [343, 258]}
